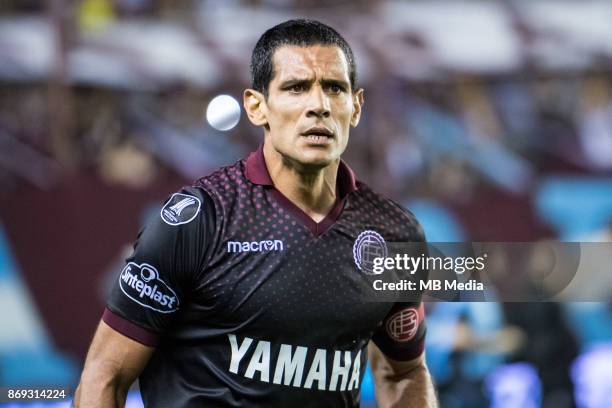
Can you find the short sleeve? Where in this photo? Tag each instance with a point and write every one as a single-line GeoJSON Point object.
{"type": "Point", "coordinates": [401, 336]}
{"type": "Point", "coordinates": [169, 254]}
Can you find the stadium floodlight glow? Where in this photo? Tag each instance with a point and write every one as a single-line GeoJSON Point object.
{"type": "Point", "coordinates": [223, 112]}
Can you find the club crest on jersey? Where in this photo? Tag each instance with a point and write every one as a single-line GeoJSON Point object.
{"type": "Point", "coordinates": [403, 325]}
{"type": "Point", "coordinates": [180, 209]}
{"type": "Point", "coordinates": [368, 246]}
{"type": "Point", "coordinates": [142, 284]}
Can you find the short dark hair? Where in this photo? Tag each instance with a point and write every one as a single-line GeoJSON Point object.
{"type": "Point", "coordinates": [300, 32]}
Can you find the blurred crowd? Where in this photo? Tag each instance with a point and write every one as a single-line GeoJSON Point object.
{"type": "Point", "coordinates": [513, 147]}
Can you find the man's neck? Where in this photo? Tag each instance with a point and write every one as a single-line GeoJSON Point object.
{"type": "Point", "coordinates": [312, 190]}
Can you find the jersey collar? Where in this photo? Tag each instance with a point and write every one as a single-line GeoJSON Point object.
{"type": "Point", "coordinates": [257, 173]}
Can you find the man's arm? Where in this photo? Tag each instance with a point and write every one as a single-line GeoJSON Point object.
{"type": "Point", "coordinates": [169, 254]}
{"type": "Point", "coordinates": [401, 384]}
{"type": "Point", "coordinates": [113, 363]}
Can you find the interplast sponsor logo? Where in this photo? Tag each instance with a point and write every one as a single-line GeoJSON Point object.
{"type": "Point", "coordinates": [142, 284]}
{"type": "Point", "coordinates": [296, 366]}
{"type": "Point", "coordinates": [255, 246]}
{"type": "Point", "coordinates": [369, 246]}
{"type": "Point", "coordinates": [180, 209]}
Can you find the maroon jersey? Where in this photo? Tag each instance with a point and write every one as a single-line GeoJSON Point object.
{"type": "Point", "coordinates": [251, 303]}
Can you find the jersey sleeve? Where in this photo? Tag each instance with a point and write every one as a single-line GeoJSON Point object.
{"type": "Point", "coordinates": [169, 254]}
{"type": "Point", "coordinates": [401, 336]}
{"type": "Point", "coordinates": [402, 333]}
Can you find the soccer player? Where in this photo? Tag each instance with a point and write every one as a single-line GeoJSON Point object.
{"type": "Point", "coordinates": [249, 289]}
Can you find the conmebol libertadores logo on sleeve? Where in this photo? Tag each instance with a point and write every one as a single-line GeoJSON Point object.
{"type": "Point", "coordinates": [180, 209]}
{"type": "Point", "coordinates": [142, 284]}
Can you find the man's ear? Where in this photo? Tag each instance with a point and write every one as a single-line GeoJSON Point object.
{"type": "Point", "coordinates": [357, 104]}
{"type": "Point", "coordinates": [255, 106]}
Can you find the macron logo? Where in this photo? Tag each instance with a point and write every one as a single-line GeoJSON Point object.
{"type": "Point", "coordinates": [255, 246]}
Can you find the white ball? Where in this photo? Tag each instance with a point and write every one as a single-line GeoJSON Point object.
{"type": "Point", "coordinates": [223, 112]}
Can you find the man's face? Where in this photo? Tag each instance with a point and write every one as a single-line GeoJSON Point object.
{"type": "Point", "coordinates": [310, 105]}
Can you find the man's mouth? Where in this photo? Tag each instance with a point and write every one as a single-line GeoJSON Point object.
{"type": "Point", "coordinates": [318, 135]}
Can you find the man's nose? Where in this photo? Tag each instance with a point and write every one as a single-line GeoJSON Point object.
{"type": "Point", "coordinates": [318, 103]}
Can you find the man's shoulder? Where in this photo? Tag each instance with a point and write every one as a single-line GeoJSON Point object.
{"type": "Point", "coordinates": [389, 208]}
{"type": "Point", "coordinates": [380, 200]}
{"type": "Point", "coordinates": [223, 176]}
{"type": "Point", "coordinates": [224, 186]}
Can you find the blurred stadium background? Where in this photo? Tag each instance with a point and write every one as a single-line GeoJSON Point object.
{"type": "Point", "coordinates": [492, 121]}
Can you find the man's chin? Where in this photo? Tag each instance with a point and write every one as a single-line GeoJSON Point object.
{"type": "Point", "coordinates": [311, 162]}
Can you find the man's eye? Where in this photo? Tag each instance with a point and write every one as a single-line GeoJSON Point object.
{"type": "Point", "coordinates": [335, 89]}
{"type": "Point", "coordinates": [296, 88]}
